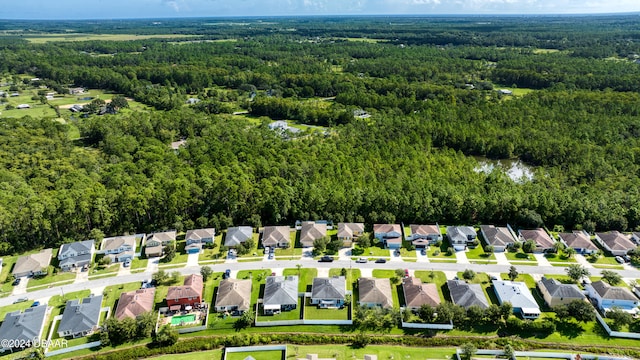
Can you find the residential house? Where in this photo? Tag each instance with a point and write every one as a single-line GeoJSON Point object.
{"type": "Point", "coordinates": [461, 236]}
{"type": "Point", "coordinates": [189, 294]}
{"type": "Point", "coordinates": [616, 243]}
{"type": "Point", "coordinates": [556, 293]}
{"type": "Point", "coordinates": [80, 318]}
{"type": "Point", "coordinates": [133, 304]}
{"type": "Point", "coordinates": [635, 237]}
{"type": "Point", "coordinates": [233, 296]}
{"type": "Point", "coordinates": [347, 232]}
{"type": "Point", "coordinates": [280, 294]}
{"type": "Point", "coordinates": [328, 292]}
{"type": "Point", "coordinates": [33, 264]}
{"type": "Point", "coordinates": [375, 292]}
{"type": "Point", "coordinates": [424, 235]}
{"type": "Point", "coordinates": [276, 236]}
{"type": "Point", "coordinates": [498, 237]}
{"type": "Point", "coordinates": [579, 241]}
{"type": "Point", "coordinates": [312, 231]}
{"type": "Point", "coordinates": [22, 327]}
{"type": "Point", "coordinates": [237, 235]}
{"type": "Point", "coordinates": [608, 297]}
{"type": "Point", "coordinates": [467, 295]}
{"type": "Point", "coordinates": [518, 294]}
{"type": "Point", "coordinates": [76, 90]}
{"type": "Point", "coordinates": [119, 248]}
{"type": "Point", "coordinates": [417, 293]}
{"type": "Point", "coordinates": [75, 255]}
{"type": "Point", "coordinates": [544, 242]}
{"type": "Point", "coordinates": [389, 234]}
{"type": "Point", "coordinates": [196, 238]}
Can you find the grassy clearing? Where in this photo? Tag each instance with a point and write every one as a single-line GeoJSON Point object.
{"type": "Point", "coordinates": [139, 263]}
{"type": "Point", "coordinates": [520, 256]}
{"type": "Point", "coordinates": [306, 277]}
{"type": "Point", "coordinates": [284, 315]}
{"type": "Point", "coordinates": [7, 266]}
{"type": "Point", "coordinates": [102, 270]}
{"type": "Point", "coordinates": [51, 278]}
{"type": "Point", "coordinates": [436, 253]}
{"type": "Point", "coordinates": [560, 258]}
{"type": "Point", "coordinates": [377, 250]}
{"type": "Point", "coordinates": [479, 254]}
{"type": "Point", "coordinates": [314, 312]}
{"type": "Point", "coordinates": [257, 355]}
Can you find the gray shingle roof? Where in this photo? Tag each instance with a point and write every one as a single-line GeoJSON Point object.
{"type": "Point", "coordinates": [25, 325]}
{"type": "Point", "coordinates": [81, 316]}
{"type": "Point", "coordinates": [460, 234]}
{"type": "Point", "coordinates": [329, 288]}
{"type": "Point", "coordinates": [616, 241]}
{"type": "Point", "coordinates": [375, 291]}
{"type": "Point", "coordinates": [34, 262]}
{"type": "Point", "coordinates": [609, 292]}
{"type": "Point", "coordinates": [199, 234]}
{"type": "Point", "coordinates": [497, 236]}
{"type": "Point", "coordinates": [467, 295]}
{"type": "Point", "coordinates": [281, 290]}
{"type": "Point", "coordinates": [237, 235]}
{"type": "Point", "coordinates": [118, 241]}
{"type": "Point", "coordinates": [559, 290]}
{"type": "Point", "coordinates": [75, 260]}
{"type": "Point", "coordinates": [163, 237]}
{"type": "Point", "coordinates": [77, 247]}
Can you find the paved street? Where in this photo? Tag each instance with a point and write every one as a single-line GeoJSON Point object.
{"type": "Point", "coordinates": [448, 268]}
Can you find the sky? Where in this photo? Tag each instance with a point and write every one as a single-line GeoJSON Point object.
{"type": "Point", "coordinates": [114, 9]}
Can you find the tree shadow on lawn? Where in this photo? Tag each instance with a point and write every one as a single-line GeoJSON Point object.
{"type": "Point", "coordinates": [569, 329]}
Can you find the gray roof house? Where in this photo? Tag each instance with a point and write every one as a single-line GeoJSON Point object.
{"type": "Point", "coordinates": [520, 297]}
{"type": "Point", "coordinates": [233, 295]}
{"type": "Point", "coordinates": [80, 318]}
{"type": "Point", "coordinates": [579, 241]}
{"type": "Point", "coordinates": [498, 237]}
{"type": "Point", "coordinates": [608, 297]}
{"type": "Point", "coordinates": [461, 236]}
{"type": "Point", "coordinates": [119, 248]}
{"type": "Point", "coordinates": [237, 235]}
{"type": "Point", "coordinates": [165, 237]}
{"type": "Point", "coordinates": [280, 294]}
{"type": "Point", "coordinates": [556, 293]}
{"type": "Point", "coordinates": [312, 231]}
{"type": "Point", "coordinates": [424, 235]}
{"type": "Point", "coordinates": [375, 292]}
{"type": "Point", "coordinates": [467, 295]}
{"type": "Point", "coordinates": [327, 292]}
{"type": "Point", "coordinates": [347, 232]}
{"type": "Point", "coordinates": [24, 325]}
{"type": "Point", "coordinates": [543, 241]}
{"type": "Point", "coordinates": [76, 254]}
{"type": "Point", "coordinates": [615, 242]}
{"type": "Point", "coordinates": [33, 264]}
{"type": "Point", "coordinates": [276, 236]}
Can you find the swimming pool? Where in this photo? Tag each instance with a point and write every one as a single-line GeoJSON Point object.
{"type": "Point", "coordinates": [183, 319]}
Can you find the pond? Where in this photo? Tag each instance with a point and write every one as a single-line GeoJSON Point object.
{"type": "Point", "coordinates": [515, 169]}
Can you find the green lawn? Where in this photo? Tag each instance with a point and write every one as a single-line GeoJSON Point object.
{"type": "Point", "coordinates": [436, 253]}
{"type": "Point", "coordinates": [13, 307]}
{"type": "Point", "coordinates": [306, 276]}
{"type": "Point", "coordinates": [65, 277]}
{"type": "Point", "coordinates": [606, 260]}
{"type": "Point", "coordinates": [313, 312]}
{"type": "Point", "coordinates": [376, 250]}
{"type": "Point", "coordinates": [212, 254]}
{"type": "Point", "coordinates": [351, 278]}
{"type": "Point", "coordinates": [284, 315]}
{"type": "Point", "coordinates": [254, 252]}
{"type": "Point", "coordinates": [519, 256]}
{"type": "Point", "coordinates": [560, 258]}
{"type": "Point", "coordinates": [138, 263]}
{"type": "Point", "coordinates": [179, 258]}
{"type": "Point", "coordinates": [7, 266]}
{"type": "Point", "coordinates": [112, 293]}
{"type": "Point", "coordinates": [257, 355]}
{"type": "Point", "coordinates": [58, 302]}
{"type": "Point", "coordinates": [479, 254]}
{"type": "Point", "coordinates": [102, 270]}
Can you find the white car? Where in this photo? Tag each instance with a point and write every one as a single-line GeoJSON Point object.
{"type": "Point", "coordinates": [620, 259]}
{"type": "Point", "coordinates": [362, 260]}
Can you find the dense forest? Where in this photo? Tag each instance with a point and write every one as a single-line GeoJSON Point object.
{"type": "Point", "coordinates": [429, 84]}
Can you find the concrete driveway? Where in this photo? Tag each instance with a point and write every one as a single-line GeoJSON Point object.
{"type": "Point", "coordinates": [22, 287]}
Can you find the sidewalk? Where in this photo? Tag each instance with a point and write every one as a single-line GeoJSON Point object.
{"type": "Point", "coordinates": [583, 261]}
{"type": "Point", "coordinates": [461, 257]}
{"type": "Point", "coordinates": [501, 257]}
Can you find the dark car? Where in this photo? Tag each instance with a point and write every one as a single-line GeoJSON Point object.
{"type": "Point", "coordinates": [16, 282]}
{"type": "Point", "coordinates": [326, 259]}
{"type": "Point", "coordinates": [226, 274]}
{"type": "Point", "coordinates": [381, 261]}
{"type": "Point", "coordinates": [423, 251]}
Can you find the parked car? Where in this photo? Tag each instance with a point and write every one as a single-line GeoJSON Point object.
{"type": "Point", "coordinates": [620, 259]}
{"type": "Point", "coordinates": [227, 274]}
{"type": "Point", "coordinates": [270, 256]}
{"type": "Point", "coordinates": [406, 272]}
{"type": "Point", "coordinates": [423, 251]}
{"type": "Point", "coordinates": [362, 260]}
{"type": "Point", "coordinates": [381, 261]}
{"type": "Point", "coordinates": [16, 282]}
{"type": "Point", "coordinates": [326, 258]}
{"type": "Point", "coordinates": [626, 258]}
{"type": "Point", "coordinates": [267, 250]}
{"type": "Point", "coordinates": [126, 263]}
{"type": "Point", "coordinates": [22, 299]}
{"type": "Point", "coordinates": [35, 303]}
{"type": "Point", "coordinates": [85, 267]}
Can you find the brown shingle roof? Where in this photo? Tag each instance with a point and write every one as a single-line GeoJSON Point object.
{"type": "Point", "coordinates": [424, 229]}
{"type": "Point", "coordinates": [541, 238]}
{"type": "Point", "coordinates": [312, 231]}
{"type": "Point", "coordinates": [375, 291]}
{"type": "Point", "coordinates": [274, 235]}
{"type": "Point", "coordinates": [607, 291]}
{"type": "Point", "coordinates": [234, 292]}
{"type": "Point", "coordinates": [578, 239]}
{"type": "Point", "coordinates": [33, 262]}
{"type": "Point", "coordinates": [417, 294]}
{"type": "Point", "coordinates": [192, 288]}
{"type": "Point", "coordinates": [135, 303]}
{"type": "Point", "coordinates": [616, 240]}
